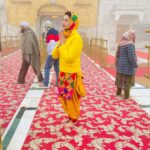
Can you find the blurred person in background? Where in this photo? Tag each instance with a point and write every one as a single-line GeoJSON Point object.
{"type": "Point", "coordinates": [52, 37]}
{"type": "Point", "coordinates": [30, 53]}
{"type": "Point", "coordinates": [126, 63]}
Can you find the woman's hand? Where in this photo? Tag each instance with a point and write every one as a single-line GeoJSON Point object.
{"type": "Point", "coordinates": [62, 38]}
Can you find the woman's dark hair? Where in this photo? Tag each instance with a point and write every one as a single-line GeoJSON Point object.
{"type": "Point", "coordinates": [68, 13]}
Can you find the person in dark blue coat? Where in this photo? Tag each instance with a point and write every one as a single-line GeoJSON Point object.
{"type": "Point", "coordinates": [126, 64]}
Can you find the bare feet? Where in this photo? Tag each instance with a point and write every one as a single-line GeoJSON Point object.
{"type": "Point", "coordinates": [66, 120]}
{"type": "Point", "coordinates": [69, 124]}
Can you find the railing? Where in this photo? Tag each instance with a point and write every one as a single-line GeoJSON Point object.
{"type": "Point", "coordinates": [11, 42]}
{"type": "Point", "coordinates": [147, 75]}
{"type": "Point", "coordinates": [43, 52]}
{"type": "Point", "coordinates": [96, 49]}
{"type": "Point", "coordinates": [8, 44]}
{"type": "Point", "coordinates": [14, 42]}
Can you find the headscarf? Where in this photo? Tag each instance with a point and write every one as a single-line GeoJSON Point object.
{"type": "Point", "coordinates": [48, 25]}
{"type": "Point", "coordinates": [131, 36]}
{"type": "Point", "coordinates": [128, 37]}
{"type": "Point", "coordinates": [74, 25]}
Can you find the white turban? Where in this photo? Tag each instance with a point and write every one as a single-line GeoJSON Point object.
{"type": "Point", "coordinates": [48, 24]}
{"type": "Point", "coordinates": [24, 23]}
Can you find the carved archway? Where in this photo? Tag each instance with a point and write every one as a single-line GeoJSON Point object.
{"type": "Point", "coordinates": [125, 23]}
{"type": "Point", "coordinates": [54, 13]}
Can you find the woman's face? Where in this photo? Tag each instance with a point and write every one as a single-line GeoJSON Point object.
{"type": "Point", "coordinates": [66, 22]}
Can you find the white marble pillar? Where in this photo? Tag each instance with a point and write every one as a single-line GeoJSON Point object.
{"type": "Point", "coordinates": [3, 20]}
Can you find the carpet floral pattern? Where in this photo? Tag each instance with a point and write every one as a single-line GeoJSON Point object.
{"type": "Point", "coordinates": [11, 94]}
{"type": "Point", "coordinates": [107, 122]}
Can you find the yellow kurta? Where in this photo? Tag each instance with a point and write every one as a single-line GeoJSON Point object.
{"type": "Point", "coordinates": [69, 55]}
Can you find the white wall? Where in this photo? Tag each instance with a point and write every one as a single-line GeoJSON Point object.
{"type": "Point", "coordinates": [107, 22]}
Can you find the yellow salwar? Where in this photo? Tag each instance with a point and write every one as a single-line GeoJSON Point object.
{"type": "Point", "coordinates": [72, 106]}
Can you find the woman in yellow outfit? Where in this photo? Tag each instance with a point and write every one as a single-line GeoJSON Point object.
{"type": "Point", "coordinates": [69, 50]}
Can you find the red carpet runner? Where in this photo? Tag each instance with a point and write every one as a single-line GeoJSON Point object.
{"type": "Point", "coordinates": [11, 95]}
{"type": "Point", "coordinates": [106, 122]}
{"type": "Point", "coordinates": [141, 54]}
{"type": "Point", "coordinates": [141, 71]}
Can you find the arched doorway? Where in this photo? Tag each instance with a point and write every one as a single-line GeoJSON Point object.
{"type": "Point", "coordinates": [125, 23]}
{"type": "Point", "coordinates": [54, 13]}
